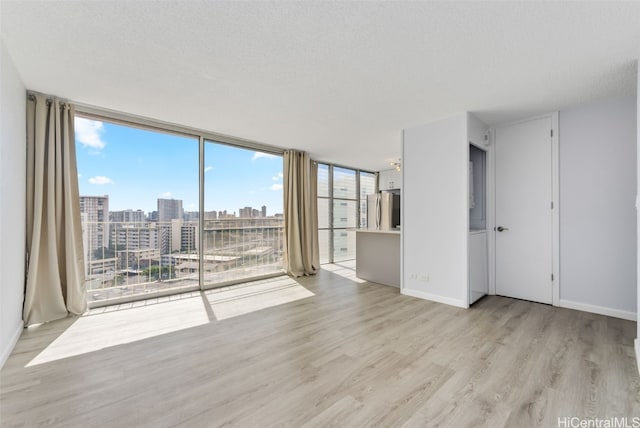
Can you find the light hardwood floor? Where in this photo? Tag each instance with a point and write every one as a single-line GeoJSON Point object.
{"type": "Point", "coordinates": [323, 351]}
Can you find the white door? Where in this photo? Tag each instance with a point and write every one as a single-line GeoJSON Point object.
{"type": "Point", "coordinates": [524, 227]}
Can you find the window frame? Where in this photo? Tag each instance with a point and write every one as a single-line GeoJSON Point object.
{"type": "Point", "coordinates": [330, 203]}
{"type": "Point", "coordinates": [202, 136]}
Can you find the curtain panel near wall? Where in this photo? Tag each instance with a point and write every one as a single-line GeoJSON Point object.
{"type": "Point", "coordinates": [301, 251]}
{"type": "Point", "coordinates": [55, 283]}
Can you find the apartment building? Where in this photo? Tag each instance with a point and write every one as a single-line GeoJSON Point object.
{"type": "Point", "coordinates": [96, 214]}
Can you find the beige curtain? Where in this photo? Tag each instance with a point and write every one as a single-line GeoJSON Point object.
{"type": "Point", "coordinates": [55, 272]}
{"type": "Point", "coordinates": [301, 255]}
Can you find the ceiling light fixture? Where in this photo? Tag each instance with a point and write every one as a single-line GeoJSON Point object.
{"type": "Point", "coordinates": [396, 165]}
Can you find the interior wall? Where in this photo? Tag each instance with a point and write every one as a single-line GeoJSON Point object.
{"type": "Point", "coordinates": [598, 221]}
{"type": "Point", "coordinates": [435, 211]}
{"type": "Point", "coordinates": [12, 201]}
{"type": "Point", "coordinates": [638, 214]}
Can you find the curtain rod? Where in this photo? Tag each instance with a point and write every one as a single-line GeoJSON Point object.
{"type": "Point", "coordinates": [31, 96]}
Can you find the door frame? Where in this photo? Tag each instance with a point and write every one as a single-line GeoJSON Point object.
{"type": "Point", "coordinates": [555, 213]}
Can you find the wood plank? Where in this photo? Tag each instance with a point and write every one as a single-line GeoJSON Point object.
{"type": "Point", "coordinates": [324, 351]}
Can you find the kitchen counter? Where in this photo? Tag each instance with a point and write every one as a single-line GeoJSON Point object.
{"type": "Point", "coordinates": [378, 256]}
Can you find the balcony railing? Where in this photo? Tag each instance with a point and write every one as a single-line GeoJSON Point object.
{"type": "Point", "coordinates": [126, 260]}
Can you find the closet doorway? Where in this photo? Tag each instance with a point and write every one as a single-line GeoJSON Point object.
{"type": "Point", "coordinates": [525, 199]}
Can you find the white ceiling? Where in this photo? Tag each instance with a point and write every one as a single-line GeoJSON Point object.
{"type": "Point", "coordinates": [338, 79]}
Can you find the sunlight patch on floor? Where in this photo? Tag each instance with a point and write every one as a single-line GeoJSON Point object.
{"type": "Point", "coordinates": [94, 332]}
{"type": "Point", "coordinates": [116, 325]}
{"type": "Point", "coordinates": [229, 302]}
{"type": "Point", "coordinates": [344, 269]}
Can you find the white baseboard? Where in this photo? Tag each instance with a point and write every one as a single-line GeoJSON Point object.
{"type": "Point", "coordinates": [637, 342]}
{"type": "Point", "coordinates": [602, 310]}
{"type": "Point", "coordinates": [12, 343]}
{"type": "Point", "coordinates": [434, 298]}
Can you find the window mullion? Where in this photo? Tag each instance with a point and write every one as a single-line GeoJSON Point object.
{"type": "Point", "coordinates": [331, 233]}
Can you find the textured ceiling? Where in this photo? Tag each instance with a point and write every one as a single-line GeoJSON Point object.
{"type": "Point", "coordinates": [338, 79]}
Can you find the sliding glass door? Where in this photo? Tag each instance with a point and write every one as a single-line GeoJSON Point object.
{"type": "Point", "coordinates": [243, 220]}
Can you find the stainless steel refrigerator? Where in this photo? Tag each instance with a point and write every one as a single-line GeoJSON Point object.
{"type": "Point", "coordinates": [383, 211]}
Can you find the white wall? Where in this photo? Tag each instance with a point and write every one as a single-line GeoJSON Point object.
{"type": "Point", "coordinates": [598, 219]}
{"type": "Point", "coordinates": [435, 212]}
{"type": "Point", "coordinates": [638, 214]}
{"type": "Point", "coordinates": [12, 201]}
{"type": "Point", "coordinates": [476, 131]}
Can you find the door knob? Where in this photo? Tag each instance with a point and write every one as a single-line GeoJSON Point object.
{"type": "Point", "coordinates": [501, 229]}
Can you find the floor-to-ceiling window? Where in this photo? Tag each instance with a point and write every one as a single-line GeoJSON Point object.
{"type": "Point", "coordinates": [139, 205]}
{"type": "Point", "coordinates": [345, 213]}
{"type": "Point", "coordinates": [342, 207]}
{"type": "Point", "coordinates": [368, 181]}
{"type": "Point", "coordinates": [145, 230]}
{"type": "Point", "coordinates": [243, 216]}
{"type": "Point", "coordinates": [324, 214]}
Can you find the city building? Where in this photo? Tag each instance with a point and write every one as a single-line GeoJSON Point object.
{"type": "Point", "coordinates": [169, 209]}
{"type": "Point", "coordinates": [134, 236]}
{"type": "Point", "coordinates": [96, 217]}
{"type": "Point", "coordinates": [137, 259]}
{"type": "Point", "coordinates": [250, 212]}
{"type": "Point", "coordinates": [224, 214]}
{"type": "Point", "coordinates": [127, 216]}
{"type": "Point", "coordinates": [210, 215]}
{"type": "Point", "coordinates": [191, 216]}
{"type": "Point", "coordinates": [189, 237]}
{"type": "Point", "coordinates": [170, 215]}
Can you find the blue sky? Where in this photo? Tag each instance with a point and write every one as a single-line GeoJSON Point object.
{"type": "Point", "coordinates": [135, 167]}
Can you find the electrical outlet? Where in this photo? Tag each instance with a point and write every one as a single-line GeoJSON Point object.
{"type": "Point", "coordinates": [424, 278]}
{"type": "Point", "coordinates": [413, 276]}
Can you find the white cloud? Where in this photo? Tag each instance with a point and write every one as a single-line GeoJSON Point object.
{"type": "Point", "coordinates": [277, 177]}
{"type": "Point", "coordinates": [100, 180]}
{"type": "Point", "coordinates": [276, 186]}
{"type": "Point", "coordinates": [208, 168]}
{"type": "Point", "coordinates": [89, 133]}
{"type": "Point", "coordinates": [258, 155]}
{"type": "Point", "coordinates": [165, 195]}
